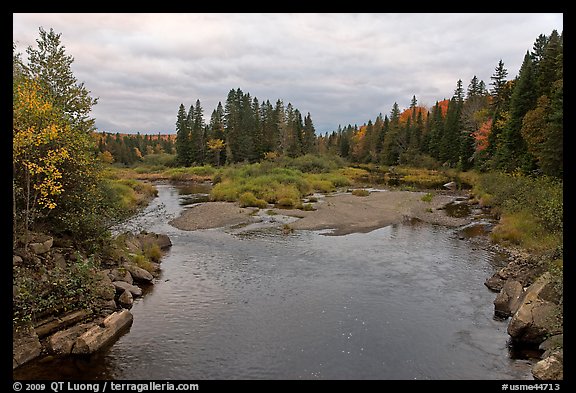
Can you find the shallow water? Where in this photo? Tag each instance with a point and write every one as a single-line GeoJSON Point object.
{"type": "Point", "coordinates": [402, 302]}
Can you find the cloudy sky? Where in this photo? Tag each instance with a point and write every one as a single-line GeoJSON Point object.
{"type": "Point", "coordinates": [342, 68]}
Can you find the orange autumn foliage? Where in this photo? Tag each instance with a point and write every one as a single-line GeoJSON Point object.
{"type": "Point", "coordinates": [409, 113]}
{"type": "Point", "coordinates": [481, 136]}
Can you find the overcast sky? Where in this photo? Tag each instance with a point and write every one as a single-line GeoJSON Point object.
{"type": "Point", "coordinates": [342, 68]}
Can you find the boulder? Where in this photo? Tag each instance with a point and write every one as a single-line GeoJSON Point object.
{"type": "Point", "coordinates": [550, 368]}
{"type": "Point", "coordinates": [26, 346]}
{"type": "Point", "coordinates": [139, 274]}
{"type": "Point", "coordinates": [508, 300]}
{"type": "Point", "coordinates": [552, 344]}
{"type": "Point", "coordinates": [122, 286]}
{"type": "Point", "coordinates": [121, 274]}
{"type": "Point", "coordinates": [535, 318]}
{"type": "Point", "coordinates": [105, 289]}
{"type": "Point", "coordinates": [126, 300]}
{"type": "Point", "coordinates": [41, 245]}
{"type": "Point", "coordinates": [101, 335]}
{"type": "Point", "coordinates": [149, 239]}
{"type": "Point", "coordinates": [106, 306]}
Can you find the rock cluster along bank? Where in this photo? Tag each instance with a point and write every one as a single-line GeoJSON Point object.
{"type": "Point", "coordinates": [529, 296]}
{"type": "Point", "coordinates": [82, 331]}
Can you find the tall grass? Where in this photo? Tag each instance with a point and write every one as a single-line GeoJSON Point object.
{"type": "Point", "coordinates": [282, 182]}
{"type": "Point", "coordinates": [532, 210]}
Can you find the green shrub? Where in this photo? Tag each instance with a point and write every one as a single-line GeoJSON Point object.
{"type": "Point", "coordinates": [38, 293]}
{"type": "Point", "coordinates": [248, 199]}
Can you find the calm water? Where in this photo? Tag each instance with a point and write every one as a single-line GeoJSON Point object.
{"type": "Point", "coordinates": [402, 302]}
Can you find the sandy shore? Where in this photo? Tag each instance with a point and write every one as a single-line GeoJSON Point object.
{"type": "Point", "coordinates": [342, 213]}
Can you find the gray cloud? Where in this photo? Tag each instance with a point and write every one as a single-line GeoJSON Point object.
{"type": "Point", "coordinates": [342, 68]}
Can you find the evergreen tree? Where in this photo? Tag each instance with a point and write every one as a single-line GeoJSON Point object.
{"type": "Point", "coordinates": [549, 64]}
{"type": "Point", "coordinates": [511, 151]}
{"type": "Point", "coordinates": [308, 136]}
{"type": "Point", "coordinates": [182, 137]}
{"type": "Point", "coordinates": [51, 67]}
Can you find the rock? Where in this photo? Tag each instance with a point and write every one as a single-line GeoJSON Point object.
{"type": "Point", "coordinates": [535, 318]}
{"type": "Point", "coordinates": [451, 186]}
{"type": "Point", "coordinates": [16, 260]}
{"type": "Point", "coordinates": [149, 239]}
{"type": "Point", "coordinates": [139, 274]}
{"type": "Point", "coordinates": [126, 300]}
{"type": "Point", "coordinates": [122, 286]}
{"type": "Point", "coordinates": [508, 300]}
{"type": "Point", "coordinates": [106, 305]}
{"type": "Point", "coordinates": [105, 289]}
{"type": "Point", "coordinates": [551, 344]}
{"type": "Point", "coordinates": [54, 324]}
{"type": "Point", "coordinates": [520, 269]}
{"type": "Point", "coordinates": [550, 368]}
{"type": "Point", "coordinates": [121, 274]}
{"type": "Point", "coordinates": [26, 346]}
{"type": "Point", "coordinates": [63, 341]}
{"type": "Point", "coordinates": [132, 243]}
{"type": "Point", "coordinates": [477, 228]}
{"type": "Point", "coordinates": [99, 336]}
{"type": "Point", "coordinates": [42, 245]}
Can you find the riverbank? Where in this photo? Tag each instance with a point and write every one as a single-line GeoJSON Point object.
{"type": "Point", "coordinates": [66, 304]}
{"type": "Point", "coordinates": [344, 213]}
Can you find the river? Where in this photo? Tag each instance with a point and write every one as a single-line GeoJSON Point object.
{"type": "Point", "coordinates": [405, 301]}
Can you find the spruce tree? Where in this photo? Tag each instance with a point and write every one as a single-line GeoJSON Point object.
{"type": "Point", "coordinates": [182, 137]}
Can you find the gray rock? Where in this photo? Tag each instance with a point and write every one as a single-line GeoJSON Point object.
{"type": "Point", "coordinates": [42, 246]}
{"type": "Point", "coordinates": [105, 289]}
{"type": "Point", "coordinates": [126, 300]}
{"type": "Point", "coordinates": [139, 274]}
{"type": "Point", "coordinates": [551, 344]}
{"type": "Point", "coordinates": [122, 286]}
{"type": "Point", "coordinates": [508, 300]}
{"type": "Point", "coordinates": [451, 186]}
{"type": "Point", "coordinates": [121, 274]}
{"type": "Point", "coordinates": [149, 239]}
{"type": "Point", "coordinates": [106, 305]}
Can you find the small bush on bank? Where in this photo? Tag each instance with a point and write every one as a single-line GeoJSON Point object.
{"type": "Point", "coordinates": [248, 199]}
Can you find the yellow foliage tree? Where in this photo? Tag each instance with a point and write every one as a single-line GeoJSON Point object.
{"type": "Point", "coordinates": [216, 146]}
{"type": "Point", "coordinates": [36, 154]}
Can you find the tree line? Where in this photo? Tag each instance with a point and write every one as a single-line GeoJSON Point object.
{"type": "Point", "coordinates": [515, 125]}
{"type": "Point", "coordinates": [243, 130]}
{"type": "Point", "coordinates": [128, 149]}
